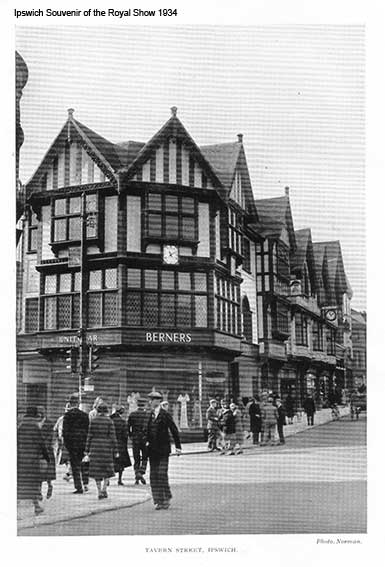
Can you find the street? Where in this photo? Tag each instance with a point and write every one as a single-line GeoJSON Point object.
{"type": "Point", "coordinates": [315, 483]}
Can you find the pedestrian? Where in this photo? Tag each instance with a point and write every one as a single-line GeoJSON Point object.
{"type": "Point", "coordinates": [94, 412]}
{"type": "Point", "coordinates": [75, 429]}
{"type": "Point", "coordinates": [101, 449]}
{"type": "Point", "coordinates": [137, 430]}
{"type": "Point", "coordinates": [212, 425]}
{"type": "Point", "coordinates": [160, 426]}
{"type": "Point", "coordinates": [269, 419]}
{"type": "Point", "coordinates": [309, 407]}
{"type": "Point", "coordinates": [281, 421]}
{"type": "Point", "coordinates": [121, 432]}
{"type": "Point", "coordinates": [61, 453]}
{"type": "Point", "coordinates": [238, 427]}
{"type": "Point", "coordinates": [255, 419]}
{"type": "Point", "coordinates": [290, 407]}
{"type": "Point", "coordinates": [227, 424]}
{"type": "Point", "coordinates": [31, 450]}
{"type": "Point", "coordinates": [47, 470]}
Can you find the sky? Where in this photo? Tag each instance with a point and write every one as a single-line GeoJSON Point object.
{"type": "Point", "coordinates": [296, 93]}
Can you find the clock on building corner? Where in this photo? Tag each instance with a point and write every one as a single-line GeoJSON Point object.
{"type": "Point", "coordinates": [331, 315]}
{"type": "Point", "coordinates": [170, 254]}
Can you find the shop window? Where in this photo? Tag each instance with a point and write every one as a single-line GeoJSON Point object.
{"type": "Point", "coordinates": [32, 315]}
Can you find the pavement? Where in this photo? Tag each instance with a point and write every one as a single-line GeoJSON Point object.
{"type": "Point", "coordinates": [65, 506]}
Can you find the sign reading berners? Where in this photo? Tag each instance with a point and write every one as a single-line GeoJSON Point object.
{"type": "Point", "coordinates": [168, 338]}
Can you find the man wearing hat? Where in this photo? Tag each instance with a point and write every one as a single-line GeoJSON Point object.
{"type": "Point", "coordinates": [212, 425]}
{"type": "Point", "coordinates": [159, 427]}
{"type": "Point", "coordinates": [137, 430]}
{"type": "Point", "coordinates": [75, 430]}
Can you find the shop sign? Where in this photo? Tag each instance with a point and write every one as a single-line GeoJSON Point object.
{"type": "Point", "coordinates": [168, 338]}
{"type": "Point", "coordinates": [215, 377]}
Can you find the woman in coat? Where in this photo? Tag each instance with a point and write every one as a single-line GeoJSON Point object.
{"type": "Point", "coordinates": [227, 424]}
{"type": "Point", "coordinates": [48, 472]}
{"type": "Point", "coordinates": [30, 450]}
{"type": "Point", "coordinates": [255, 413]}
{"type": "Point", "coordinates": [101, 448]}
{"type": "Point", "coordinates": [121, 432]}
{"type": "Point", "coordinates": [238, 425]}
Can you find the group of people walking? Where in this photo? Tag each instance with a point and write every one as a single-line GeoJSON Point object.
{"type": "Point", "coordinates": [95, 445]}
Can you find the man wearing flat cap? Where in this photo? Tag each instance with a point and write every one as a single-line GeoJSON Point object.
{"type": "Point", "coordinates": [160, 425]}
{"type": "Point", "coordinates": [75, 430]}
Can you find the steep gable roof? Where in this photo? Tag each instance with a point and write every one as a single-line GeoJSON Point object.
{"type": "Point", "coordinates": [274, 214]}
{"type": "Point", "coordinates": [336, 269]}
{"type": "Point", "coordinates": [175, 129]}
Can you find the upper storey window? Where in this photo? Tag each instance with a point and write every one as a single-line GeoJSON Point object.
{"type": "Point", "coordinates": [171, 217]}
{"type": "Point", "coordinates": [235, 231]}
{"type": "Point", "coordinates": [32, 232]}
{"type": "Point", "coordinates": [66, 219]}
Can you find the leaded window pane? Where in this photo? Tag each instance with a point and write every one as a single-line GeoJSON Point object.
{"type": "Point", "coordinates": [96, 279]}
{"type": "Point", "coordinates": [150, 309]}
{"type": "Point", "coordinates": [50, 313]}
{"type": "Point", "coordinates": [64, 312]}
{"type": "Point", "coordinates": [188, 228]}
{"type": "Point", "coordinates": [77, 281]}
{"type": "Point", "coordinates": [200, 281]}
{"type": "Point", "coordinates": [171, 204]}
{"type": "Point", "coordinates": [171, 226]}
{"type": "Point", "coordinates": [168, 280]}
{"type": "Point", "coordinates": [75, 311]}
{"type": "Point", "coordinates": [60, 229]}
{"type": "Point", "coordinates": [155, 201]}
{"type": "Point", "coordinates": [200, 311]}
{"type": "Point", "coordinates": [31, 315]}
{"type": "Point", "coordinates": [32, 239]}
{"type": "Point", "coordinates": [184, 310]}
{"type": "Point", "coordinates": [187, 205]}
{"type": "Point", "coordinates": [64, 283]}
{"type": "Point", "coordinates": [94, 309]}
{"type": "Point", "coordinates": [154, 225]}
{"type": "Point", "coordinates": [151, 279]}
{"type": "Point", "coordinates": [50, 284]}
{"type": "Point", "coordinates": [60, 207]}
{"type": "Point", "coordinates": [167, 310]}
{"type": "Point", "coordinates": [74, 228]}
{"type": "Point", "coordinates": [75, 204]}
{"type": "Point", "coordinates": [110, 278]}
{"type": "Point", "coordinates": [133, 308]}
{"type": "Point", "coordinates": [91, 203]}
{"type": "Point", "coordinates": [110, 315]}
{"type": "Point", "coordinates": [184, 280]}
{"type": "Point", "coordinates": [133, 277]}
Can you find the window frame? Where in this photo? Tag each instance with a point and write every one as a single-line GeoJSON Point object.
{"type": "Point", "coordinates": [67, 216]}
{"type": "Point", "coordinates": [165, 215]}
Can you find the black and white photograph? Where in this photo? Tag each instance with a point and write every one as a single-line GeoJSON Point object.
{"type": "Point", "coordinates": [191, 279]}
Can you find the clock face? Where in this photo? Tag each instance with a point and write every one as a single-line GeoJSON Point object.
{"type": "Point", "coordinates": [170, 254]}
{"type": "Point", "coordinates": [331, 315]}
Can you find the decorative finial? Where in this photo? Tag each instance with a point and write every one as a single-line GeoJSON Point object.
{"type": "Point", "coordinates": [240, 138]}
{"type": "Point", "coordinates": [287, 191]}
{"type": "Point", "coordinates": [174, 110]}
{"type": "Point", "coordinates": [70, 112]}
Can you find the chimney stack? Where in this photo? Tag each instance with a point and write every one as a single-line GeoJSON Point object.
{"type": "Point", "coordinates": [240, 138]}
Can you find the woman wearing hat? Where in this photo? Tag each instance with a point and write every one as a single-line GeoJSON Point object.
{"type": "Point", "coordinates": [121, 431]}
{"type": "Point", "coordinates": [101, 448]}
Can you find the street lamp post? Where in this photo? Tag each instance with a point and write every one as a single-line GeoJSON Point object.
{"type": "Point", "coordinates": [82, 310]}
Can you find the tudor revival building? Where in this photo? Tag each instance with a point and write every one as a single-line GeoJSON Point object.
{"type": "Point", "coordinates": [160, 255]}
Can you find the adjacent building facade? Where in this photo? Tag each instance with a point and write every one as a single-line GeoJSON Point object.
{"type": "Point", "coordinates": [156, 259]}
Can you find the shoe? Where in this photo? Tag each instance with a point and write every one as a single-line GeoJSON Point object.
{"type": "Point", "coordinates": [158, 506]}
{"type": "Point", "coordinates": [120, 483]}
{"type": "Point", "coordinates": [100, 497]}
{"type": "Point", "coordinates": [142, 480]}
{"type": "Point", "coordinates": [78, 491]}
{"type": "Point", "coordinates": [85, 488]}
{"type": "Point", "coordinates": [231, 453]}
{"type": "Point", "coordinates": [49, 492]}
{"type": "Point", "coordinates": [67, 477]}
{"type": "Point", "coordinates": [38, 510]}
{"type": "Point", "coordinates": [137, 481]}
{"type": "Point", "coordinates": [239, 452]}
{"type": "Point", "coordinates": [166, 505]}
{"type": "Point", "coordinates": [104, 494]}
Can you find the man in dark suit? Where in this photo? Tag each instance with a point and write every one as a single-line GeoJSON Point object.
{"type": "Point", "coordinates": [281, 421]}
{"type": "Point", "coordinates": [75, 430]}
{"type": "Point", "coordinates": [137, 430]}
{"type": "Point", "coordinates": [160, 425]}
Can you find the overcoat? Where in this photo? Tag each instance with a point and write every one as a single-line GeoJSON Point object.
{"type": "Point", "coordinates": [101, 445]}
{"type": "Point", "coordinates": [49, 472]}
{"type": "Point", "coordinates": [75, 428]}
{"type": "Point", "coordinates": [238, 423]}
{"type": "Point", "coordinates": [255, 417]}
{"type": "Point", "coordinates": [30, 449]}
{"type": "Point", "coordinates": [227, 422]}
{"type": "Point", "coordinates": [121, 433]}
{"type": "Point", "coordinates": [158, 434]}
